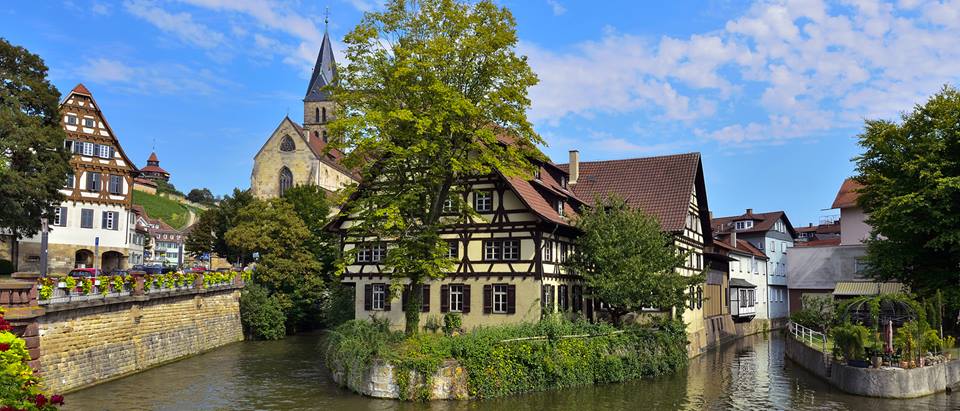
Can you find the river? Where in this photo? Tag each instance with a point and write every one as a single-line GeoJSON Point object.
{"type": "Point", "coordinates": [748, 374]}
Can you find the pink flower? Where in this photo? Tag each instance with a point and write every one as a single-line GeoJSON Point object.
{"type": "Point", "coordinates": [56, 399]}
{"type": "Point", "coordinates": [4, 346]}
{"type": "Point", "coordinates": [40, 401]}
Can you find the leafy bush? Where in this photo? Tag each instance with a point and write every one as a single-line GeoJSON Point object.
{"type": "Point", "coordinates": [511, 359]}
{"type": "Point", "coordinates": [849, 341]}
{"type": "Point", "coordinates": [818, 313]}
{"type": "Point", "coordinates": [452, 322]}
{"type": "Point", "coordinates": [19, 387]}
{"type": "Point", "coordinates": [261, 314]}
{"type": "Point", "coordinates": [340, 306]}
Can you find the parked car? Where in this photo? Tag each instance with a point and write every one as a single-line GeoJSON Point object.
{"type": "Point", "coordinates": [118, 271]}
{"type": "Point", "coordinates": [85, 272]}
{"type": "Point", "coordinates": [168, 269]}
{"type": "Point", "coordinates": [153, 269]}
{"type": "Point", "coordinates": [198, 269]}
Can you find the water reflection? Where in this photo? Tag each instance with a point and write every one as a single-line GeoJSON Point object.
{"type": "Point", "coordinates": [748, 374]}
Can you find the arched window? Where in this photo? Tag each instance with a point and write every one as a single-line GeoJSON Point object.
{"type": "Point", "coordinates": [286, 180]}
{"type": "Point", "coordinates": [287, 144]}
{"type": "Point", "coordinates": [324, 116]}
{"type": "Point", "coordinates": [324, 136]}
{"type": "Point", "coordinates": [316, 115]}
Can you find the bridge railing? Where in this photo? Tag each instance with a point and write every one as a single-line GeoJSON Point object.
{"type": "Point", "coordinates": [75, 289]}
{"type": "Point", "coordinates": [809, 336]}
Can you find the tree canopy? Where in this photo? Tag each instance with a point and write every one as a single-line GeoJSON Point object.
{"type": "Point", "coordinates": [911, 176]}
{"type": "Point", "coordinates": [201, 195]}
{"type": "Point", "coordinates": [433, 92]}
{"type": "Point", "coordinates": [626, 260]}
{"type": "Point", "coordinates": [33, 161]}
{"type": "Point", "coordinates": [209, 232]}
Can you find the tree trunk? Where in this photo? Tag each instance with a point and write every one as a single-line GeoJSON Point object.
{"type": "Point", "coordinates": [412, 309]}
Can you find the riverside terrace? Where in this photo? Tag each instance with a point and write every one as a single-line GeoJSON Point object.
{"type": "Point", "coordinates": [86, 331]}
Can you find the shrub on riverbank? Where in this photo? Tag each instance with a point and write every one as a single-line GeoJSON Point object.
{"type": "Point", "coordinates": [19, 387]}
{"type": "Point", "coordinates": [261, 314]}
{"type": "Point", "coordinates": [511, 359]}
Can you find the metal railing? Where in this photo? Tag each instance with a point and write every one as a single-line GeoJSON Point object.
{"type": "Point", "coordinates": [813, 338]}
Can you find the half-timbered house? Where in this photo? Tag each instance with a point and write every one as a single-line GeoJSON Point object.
{"type": "Point", "coordinates": [508, 257]}
{"type": "Point", "coordinates": [91, 227]}
{"type": "Point", "coordinates": [670, 188]}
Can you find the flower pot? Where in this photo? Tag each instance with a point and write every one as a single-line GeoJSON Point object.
{"type": "Point", "coordinates": [877, 361]}
{"type": "Point", "coordinates": [904, 364]}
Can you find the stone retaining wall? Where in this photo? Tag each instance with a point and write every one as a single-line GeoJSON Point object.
{"type": "Point", "coordinates": [379, 381]}
{"type": "Point", "coordinates": [870, 382]}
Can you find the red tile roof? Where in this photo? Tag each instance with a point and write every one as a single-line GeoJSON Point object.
{"type": "Point", "coordinates": [817, 243]}
{"type": "Point", "coordinates": [153, 157]}
{"type": "Point", "coordinates": [743, 247]}
{"type": "Point", "coordinates": [332, 156]}
{"type": "Point", "coordinates": [153, 169]}
{"type": "Point", "coordinates": [660, 186]}
{"type": "Point", "coordinates": [848, 194]}
{"type": "Point", "coordinates": [540, 194]}
{"type": "Point", "coordinates": [81, 89]}
{"type": "Point", "coordinates": [762, 222]}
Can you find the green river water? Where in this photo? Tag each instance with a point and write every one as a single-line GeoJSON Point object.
{"type": "Point", "coordinates": [748, 374]}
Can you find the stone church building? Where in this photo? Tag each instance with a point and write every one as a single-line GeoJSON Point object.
{"type": "Point", "coordinates": [297, 154]}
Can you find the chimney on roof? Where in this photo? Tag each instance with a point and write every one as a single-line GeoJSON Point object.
{"type": "Point", "coordinates": [809, 224]}
{"type": "Point", "coordinates": [733, 239]}
{"type": "Point", "coordinates": [574, 166]}
{"type": "Point", "coordinates": [749, 211]}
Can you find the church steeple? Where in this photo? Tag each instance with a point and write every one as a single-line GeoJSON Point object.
{"type": "Point", "coordinates": [323, 72]}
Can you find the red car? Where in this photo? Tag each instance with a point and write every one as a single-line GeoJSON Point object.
{"type": "Point", "coordinates": [85, 272]}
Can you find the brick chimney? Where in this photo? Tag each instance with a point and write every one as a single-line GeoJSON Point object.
{"type": "Point", "coordinates": [574, 166]}
{"type": "Point", "coordinates": [749, 211]}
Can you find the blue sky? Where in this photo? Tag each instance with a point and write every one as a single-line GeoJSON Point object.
{"type": "Point", "coordinates": [772, 94]}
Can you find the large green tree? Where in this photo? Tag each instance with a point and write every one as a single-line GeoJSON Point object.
{"type": "Point", "coordinates": [312, 204]}
{"type": "Point", "coordinates": [286, 267]}
{"type": "Point", "coordinates": [433, 92]}
{"type": "Point", "coordinates": [209, 233]}
{"type": "Point", "coordinates": [911, 176]}
{"type": "Point", "coordinates": [33, 162]}
{"type": "Point", "coordinates": [626, 260]}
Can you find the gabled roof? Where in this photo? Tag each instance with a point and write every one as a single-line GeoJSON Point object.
{"type": "Point", "coordinates": [323, 72]}
{"type": "Point", "coordinates": [539, 195]}
{"type": "Point", "coordinates": [848, 194]}
{"type": "Point", "coordinates": [82, 90]}
{"type": "Point", "coordinates": [762, 222]}
{"type": "Point", "coordinates": [660, 186]}
{"type": "Point", "coordinates": [153, 157]}
{"type": "Point", "coordinates": [740, 283]}
{"type": "Point", "coordinates": [153, 165]}
{"type": "Point", "coordinates": [317, 146]}
{"type": "Point", "coordinates": [743, 247]}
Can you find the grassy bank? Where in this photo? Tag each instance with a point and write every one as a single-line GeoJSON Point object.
{"type": "Point", "coordinates": [505, 360]}
{"type": "Point", "coordinates": [170, 211]}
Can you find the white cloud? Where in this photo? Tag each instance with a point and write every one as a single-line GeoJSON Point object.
{"type": "Point", "coordinates": [180, 24]}
{"type": "Point", "coordinates": [556, 7]}
{"type": "Point", "coordinates": [152, 78]}
{"type": "Point", "coordinates": [805, 66]}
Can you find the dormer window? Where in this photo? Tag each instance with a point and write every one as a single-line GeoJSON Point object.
{"type": "Point", "coordinates": [563, 181]}
{"type": "Point", "coordinates": [743, 225]}
{"type": "Point", "coordinates": [559, 205]}
{"type": "Point", "coordinates": [536, 173]}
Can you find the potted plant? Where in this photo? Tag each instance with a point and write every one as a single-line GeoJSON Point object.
{"type": "Point", "coordinates": [848, 341]}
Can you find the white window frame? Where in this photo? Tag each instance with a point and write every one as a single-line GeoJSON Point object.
{"type": "Point", "coordinates": [93, 123]}
{"type": "Point", "coordinates": [563, 252]}
{"type": "Point", "coordinates": [110, 219]}
{"type": "Point", "coordinates": [448, 205]}
{"type": "Point", "coordinates": [548, 250]}
{"type": "Point", "coordinates": [72, 119]}
{"type": "Point", "coordinates": [484, 199]}
{"type": "Point", "coordinates": [87, 148]}
{"type": "Point", "coordinates": [500, 298]}
{"type": "Point", "coordinates": [456, 298]}
{"type": "Point", "coordinates": [511, 249]}
{"type": "Point", "coordinates": [743, 225]}
{"type": "Point", "coordinates": [378, 252]}
{"type": "Point", "coordinates": [560, 207]}
{"type": "Point", "coordinates": [57, 215]}
{"type": "Point", "coordinates": [453, 249]}
{"type": "Point", "coordinates": [363, 254]}
{"type": "Point", "coordinates": [104, 151]}
{"type": "Point", "coordinates": [378, 297]}
{"type": "Point", "coordinates": [491, 250]}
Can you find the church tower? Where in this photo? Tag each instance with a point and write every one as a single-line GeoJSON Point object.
{"type": "Point", "coordinates": [318, 106]}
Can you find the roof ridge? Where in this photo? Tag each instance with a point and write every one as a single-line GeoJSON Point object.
{"type": "Point", "coordinates": [694, 153]}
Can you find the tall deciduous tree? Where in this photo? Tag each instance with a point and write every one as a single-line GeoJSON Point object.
{"type": "Point", "coordinates": [33, 162]}
{"type": "Point", "coordinates": [209, 233]}
{"type": "Point", "coordinates": [286, 267]}
{"type": "Point", "coordinates": [911, 176]}
{"type": "Point", "coordinates": [627, 261]}
{"type": "Point", "coordinates": [312, 205]}
{"type": "Point", "coordinates": [433, 92]}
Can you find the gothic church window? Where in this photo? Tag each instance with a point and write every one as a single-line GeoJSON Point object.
{"type": "Point", "coordinates": [287, 144]}
{"type": "Point", "coordinates": [286, 180]}
{"type": "Point", "coordinates": [316, 115]}
{"type": "Point", "coordinates": [324, 114]}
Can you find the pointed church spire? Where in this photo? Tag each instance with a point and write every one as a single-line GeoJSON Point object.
{"type": "Point", "coordinates": [324, 70]}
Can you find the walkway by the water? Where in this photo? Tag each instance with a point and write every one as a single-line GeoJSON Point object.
{"type": "Point", "coordinates": [749, 374]}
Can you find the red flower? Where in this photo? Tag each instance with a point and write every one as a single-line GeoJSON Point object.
{"type": "Point", "coordinates": [56, 399]}
{"type": "Point", "coordinates": [40, 401]}
{"type": "Point", "coordinates": [4, 346]}
{"type": "Point", "coordinates": [7, 408]}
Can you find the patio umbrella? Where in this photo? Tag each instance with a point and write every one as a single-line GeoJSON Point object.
{"type": "Point", "coordinates": [889, 337]}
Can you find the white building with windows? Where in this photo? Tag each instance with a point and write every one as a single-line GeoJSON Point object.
{"type": "Point", "coordinates": [91, 227]}
{"type": "Point", "coordinates": [772, 234]}
{"type": "Point", "coordinates": [749, 293]}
